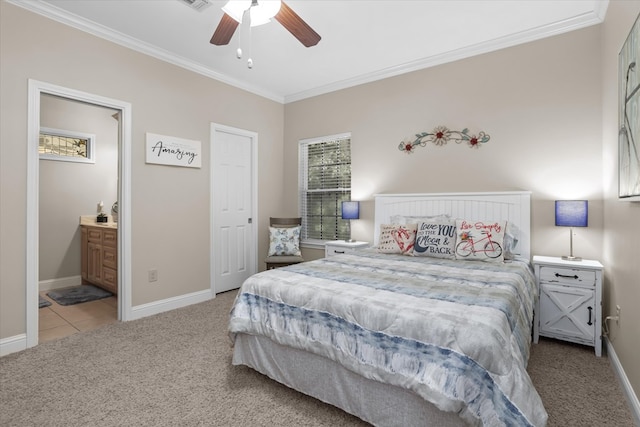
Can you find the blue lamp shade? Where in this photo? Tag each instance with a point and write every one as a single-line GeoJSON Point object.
{"type": "Point", "coordinates": [572, 213]}
{"type": "Point", "coordinates": [350, 210]}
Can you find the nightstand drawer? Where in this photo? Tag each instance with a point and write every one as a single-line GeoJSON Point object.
{"type": "Point", "coordinates": [333, 250]}
{"type": "Point", "coordinates": [339, 247]}
{"type": "Point", "coordinates": [567, 276]}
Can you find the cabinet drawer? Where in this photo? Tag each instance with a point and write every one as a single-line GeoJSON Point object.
{"type": "Point", "coordinates": [94, 235]}
{"type": "Point", "coordinates": [336, 250]}
{"type": "Point", "coordinates": [567, 276]}
{"type": "Point", "coordinates": [110, 257]}
{"type": "Point", "coordinates": [110, 238]}
{"type": "Point", "coordinates": [110, 280]}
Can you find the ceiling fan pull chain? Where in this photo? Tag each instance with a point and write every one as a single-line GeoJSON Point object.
{"type": "Point", "coordinates": [250, 61]}
{"type": "Point", "coordinates": [245, 15]}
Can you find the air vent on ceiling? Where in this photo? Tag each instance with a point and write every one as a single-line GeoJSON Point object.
{"type": "Point", "coordinates": [198, 5]}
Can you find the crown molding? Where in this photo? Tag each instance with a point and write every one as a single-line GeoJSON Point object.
{"type": "Point", "coordinates": [560, 27]}
{"type": "Point", "coordinates": [585, 20]}
{"type": "Point", "coordinates": [52, 12]}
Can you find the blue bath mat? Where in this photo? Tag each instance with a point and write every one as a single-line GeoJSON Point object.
{"type": "Point", "coordinates": [78, 294]}
{"type": "Point", "coordinates": [43, 302]}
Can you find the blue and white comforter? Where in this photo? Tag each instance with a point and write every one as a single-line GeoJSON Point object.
{"type": "Point", "coordinates": [456, 333]}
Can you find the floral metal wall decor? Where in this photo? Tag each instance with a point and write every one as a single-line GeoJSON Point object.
{"type": "Point", "coordinates": [440, 136]}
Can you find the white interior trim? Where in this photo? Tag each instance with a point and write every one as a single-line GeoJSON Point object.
{"type": "Point", "coordinates": [627, 389]}
{"type": "Point", "coordinates": [36, 88]}
{"type": "Point", "coordinates": [59, 283]}
{"type": "Point", "coordinates": [60, 15]}
{"type": "Point", "coordinates": [582, 21]}
{"type": "Point", "coordinates": [13, 344]}
{"type": "Point", "coordinates": [156, 307]}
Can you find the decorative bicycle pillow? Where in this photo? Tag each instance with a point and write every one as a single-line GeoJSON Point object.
{"type": "Point", "coordinates": [479, 240]}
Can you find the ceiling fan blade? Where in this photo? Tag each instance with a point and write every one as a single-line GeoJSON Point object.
{"type": "Point", "coordinates": [225, 30]}
{"type": "Point", "coordinates": [296, 26]}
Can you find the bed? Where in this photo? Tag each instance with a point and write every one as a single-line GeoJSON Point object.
{"type": "Point", "coordinates": [401, 340]}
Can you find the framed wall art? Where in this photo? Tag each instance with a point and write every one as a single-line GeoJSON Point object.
{"type": "Point", "coordinates": [172, 151]}
{"type": "Point", "coordinates": [629, 116]}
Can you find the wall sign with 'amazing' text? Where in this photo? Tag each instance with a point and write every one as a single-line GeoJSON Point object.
{"type": "Point", "coordinates": [172, 151]}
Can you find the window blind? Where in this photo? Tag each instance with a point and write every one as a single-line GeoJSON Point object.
{"type": "Point", "coordinates": [324, 183]}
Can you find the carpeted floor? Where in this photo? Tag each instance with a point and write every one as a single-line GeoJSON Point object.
{"type": "Point", "coordinates": [175, 369]}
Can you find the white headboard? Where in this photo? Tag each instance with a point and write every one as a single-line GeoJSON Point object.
{"type": "Point", "coordinates": [513, 206]}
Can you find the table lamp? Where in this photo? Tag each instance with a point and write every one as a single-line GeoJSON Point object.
{"type": "Point", "coordinates": [350, 210]}
{"type": "Point", "coordinates": [571, 213]}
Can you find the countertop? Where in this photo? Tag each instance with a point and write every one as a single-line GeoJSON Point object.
{"type": "Point", "coordinates": [91, 220]}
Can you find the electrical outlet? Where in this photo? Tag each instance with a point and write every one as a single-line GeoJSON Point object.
{"type": "Point", "coordinates": [153, 275]}
{"type": "Point", "coordinates": [617, 314]}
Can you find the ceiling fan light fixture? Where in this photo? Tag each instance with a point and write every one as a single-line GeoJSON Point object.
{"type": "Point", "coordinates": [261, 12]}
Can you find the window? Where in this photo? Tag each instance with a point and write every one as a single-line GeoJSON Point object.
{"type": "Point", "coordinates": [66, 145]}
{"type": "Point", "coordinates": [324, 183]}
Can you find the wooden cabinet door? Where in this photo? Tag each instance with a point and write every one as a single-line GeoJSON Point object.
{"type": "Point", "coordinates": [94, 262]}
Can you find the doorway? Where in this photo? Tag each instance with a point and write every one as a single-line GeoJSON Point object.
{"type": "Point", "coordinates": [233, 207]}
{"type": "Point", "coordinates": [37, 89]}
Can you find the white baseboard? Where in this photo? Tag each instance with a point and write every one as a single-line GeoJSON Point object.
{"type": "Point", "coordinates": [63, 282]}
{"type": "Point", "coordinates": [632, 399]}
{"type": "Point", "coordinates": [149, 309]}
{"type": "Point", "coordinates": [13, 344]}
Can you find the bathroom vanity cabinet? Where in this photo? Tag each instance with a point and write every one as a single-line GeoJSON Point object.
{"type": "Point", "coordinates": [100, 256]}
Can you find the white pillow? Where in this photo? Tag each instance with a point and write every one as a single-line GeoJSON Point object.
{"type": "Point", "coordinates": [397, 238]}
{"type": "Point", "coordinates": [479, 240]}
{"type": "Point", "coordinates": [436, 239]}
{"type": "Point", "coordinates": [511, 238]}
{"type": "Point", "coordinates": [284, 241]}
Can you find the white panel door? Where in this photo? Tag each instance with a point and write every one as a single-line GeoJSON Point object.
{"type": "Point", "coordinates": [233, 241]}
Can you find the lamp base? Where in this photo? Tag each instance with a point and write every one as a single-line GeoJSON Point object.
{"type": "Point", "coordinates": [571, 258]}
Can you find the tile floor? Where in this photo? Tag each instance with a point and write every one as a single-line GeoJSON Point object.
{"type": "Point", "coordinates": [58, 321]}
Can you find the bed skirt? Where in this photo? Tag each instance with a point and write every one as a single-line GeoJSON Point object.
{"type": "Point", "coordinates": [377, 403]}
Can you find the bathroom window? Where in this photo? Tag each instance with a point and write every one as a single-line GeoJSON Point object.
{"type": "Point", "coordinates": [66, 145]}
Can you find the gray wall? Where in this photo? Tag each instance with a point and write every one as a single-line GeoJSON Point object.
{"type": "Point", "coordinates": [540, 103]}
{"type": "Point", "coordinates": [621, 247]}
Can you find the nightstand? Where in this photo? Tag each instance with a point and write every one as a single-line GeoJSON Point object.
{"type": "Point", "coordinates": [570, 303]}
{"type": "Point", "coordinates": [338, 247]}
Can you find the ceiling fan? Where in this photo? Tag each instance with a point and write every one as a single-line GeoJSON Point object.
{"type": "Point", "coordinates": [260, 12]}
